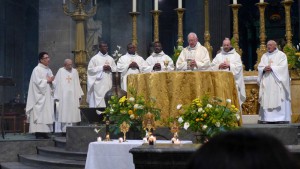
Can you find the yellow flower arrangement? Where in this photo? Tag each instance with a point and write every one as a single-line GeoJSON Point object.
{"type": "Point", "coordinates": [131, 110]}
{"type": "Point", "coordinates": [209, 116]}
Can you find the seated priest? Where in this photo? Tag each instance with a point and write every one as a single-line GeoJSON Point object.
{"type": "Point", "coordinates": [274, 90]}
{"type": "Point", "coordinates": [193, 57]}
{"type": "Point", "coordinates": [130, 63]}
{"type": "Point", "coordinates": [229, 60]}
{"type": "Point", "coordinates": [158, 60]}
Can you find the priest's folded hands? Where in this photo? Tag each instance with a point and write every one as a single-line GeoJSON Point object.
{"type": "Point", "coordinates": [107, 68]}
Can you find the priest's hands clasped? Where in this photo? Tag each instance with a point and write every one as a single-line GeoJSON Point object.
{"type": "Point", "coordinates": [50, 79]}
{"type": "Point", "coordinates": [224, 65]}
{"type": "Point", "coordinates": [157, 67]}
{"type": "Point", "coordinates": [133, 65]}
{"type": "Point", "coordinates": [193, 64]}
{"type": "Point", "coordinates": [267, 69]}
{"type": "Point", "coordinates": [107, 68]}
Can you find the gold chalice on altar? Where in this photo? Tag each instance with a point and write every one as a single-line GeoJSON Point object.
{"type": "Point", "coordinates": [124, 128]}
{"type": "Point", "coordinates": [188, 66]}
{"type": "Point", "coordinates": [166, 63]}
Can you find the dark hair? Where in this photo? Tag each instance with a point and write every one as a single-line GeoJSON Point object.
{"type": "Point", "coordinates": [243, 149]}
{"type": "Point", "coordinates": [102, 43]}
{"type": "Point", "coordinates": [41, 55]}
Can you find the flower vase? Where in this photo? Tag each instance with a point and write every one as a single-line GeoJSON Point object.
{"type": "Point", "coordinates": [201, 138]}
{"type": "Point", "coordinates": [115, 90]}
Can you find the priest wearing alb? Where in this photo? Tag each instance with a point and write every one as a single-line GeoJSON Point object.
{"type": "Point", "coordinates": [99, 76]}
{"type": "Point", "coordinates": [229, 60]}
{"type": "Point", "coordinates": [39, 107]}
{"type": "Point", "coordinates": [68, 92]}
{"type": "Point", "coordinates": [193, 57]}
{"type": "Point", "coordinates": [274, 90]}
{"type": "Point", "coordinates": [130, 63]}
{"type": "Point", "coordinates": [158, 60]}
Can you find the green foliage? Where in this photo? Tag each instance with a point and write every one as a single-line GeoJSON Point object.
{"type": "Point", "coordinates": [177, 51]}
{"type": "Point", "coordinates": [293, 59]}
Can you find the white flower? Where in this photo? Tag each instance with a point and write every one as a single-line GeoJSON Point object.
{"type": "Point", "coordinates": [217, 124]}
{"type": "Point", "coordinates": [132, 116]}
{"type": "Point", "coordinates": [180, 47]}
{"type": "Point", "coordinates": [204, 127]}
{"type": "Point", "coordinates": [140, 107]}
{"type": "Point", "coordinates": [119, 47]}
{"type": "Point", "coordinates": [96, 130]}
{"type": "Point", "coordinates": [99, 112]}
{"type": "Point", "coordinates": [111, 110]}
{"type": "Point", "coordinates": [237, 116]}
{"type": "Point", "coordinates": [131, 99]}
{"type": "Point", "coordinates": [186, 125]}
{"type": "Point", "coordinates": [136, 106]}
{"type": "Point", "coordinates": [179, 106]}
{"type": "Point", "coordinates": [200, 109]}
{"type": "Point", "coordinates": [228, 100]}
{"type": "Point", "coordinates": [180, 120]}
{"type": "Point", "coordinates": [209, 105]}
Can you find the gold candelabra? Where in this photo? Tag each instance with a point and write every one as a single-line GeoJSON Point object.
{"type": "Point", "coordinates": [262, 33]}
{"type": "Point", "coordinates": [79, 15]}
{"type": "Point", "coordinates": [235, 10]}
{"type": "Point", "coordinates": [134, 27]}
{"type": "Point", "coordinates": [288, 29]}
{"type": "Point", "coordinates": [206, 32]}
{"type": "Point", "coordinates": [156, 14]}
{"type": "Point", "coordinates": [180, 12]}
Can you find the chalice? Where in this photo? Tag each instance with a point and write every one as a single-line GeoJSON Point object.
{"type": "Point", "coordinates": [166, 63]}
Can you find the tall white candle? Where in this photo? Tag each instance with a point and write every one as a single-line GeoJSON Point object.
{"type": "Point", "coordinates": [155, 5]}
{"type": "Point", "coordinates": [133, 5]}
{"type": "Point", "coordinates": [64, 1]}
{"type": "Point", "coordinates": [234, 1]}
{"type": "Point", "coordinates": [261, 1]}
{"type": "Point", "coordinates": [179, 3]}
{"type": "Point", "coordinates": [95, 2]}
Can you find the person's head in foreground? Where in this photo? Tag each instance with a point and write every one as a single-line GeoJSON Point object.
{"type": "Point", "coordinates": [243, 149]}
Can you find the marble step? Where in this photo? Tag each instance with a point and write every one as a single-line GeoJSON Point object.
{"type": "Point", "coordinates": [16, 165]}
{"type": "Point", "coordinates": [50, 162]}
{"type": "Point", "coordinates": [61, 153]}
{"type": "Point", "coordinates": [60, 142]}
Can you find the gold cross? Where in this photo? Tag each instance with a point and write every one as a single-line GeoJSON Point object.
{"type": "Point", "coordinates": [68, 78]}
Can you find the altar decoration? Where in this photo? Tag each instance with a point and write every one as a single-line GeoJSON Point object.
{"type": "Point", "coordinates": [209, 116]}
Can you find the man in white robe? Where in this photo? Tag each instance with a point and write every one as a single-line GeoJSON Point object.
{"type": "Point", "coordinates": [195, 56]}
{"type": "Point", "coordinates": [99, 76]}
{"type": "Point", "coordinates": [229, 60]}
{"type": "Point", "coordinates": [40, 106]}
{"type": "Point", "coordinates": [274, 90]}
{"type": "Point", "coordinates": [158, 60]}
{"type": "Point", "coordinates": [68, 92]}
{"type": "Point", "coordinates": [130, 63]}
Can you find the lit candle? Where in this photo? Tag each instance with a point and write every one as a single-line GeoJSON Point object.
{"type": "Point", "coordinates": [261, 1]}
{"type": "Point", "coordinates": [179, 3]}
{"type": "Point", "coordinates": [99, 139]}
{"type": "Point", "coordinates": [234, 1]}
{"type": "Point", "coordinates": [155, 5]}
{"type": "Point", "coordinates": [120, 140]}
{"type": "Point", "coordinates": [133, 5]}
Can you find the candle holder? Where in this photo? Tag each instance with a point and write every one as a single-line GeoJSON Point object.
{"type": "Point", "coordinates": [180, 12]}
{"type": "Point", "coordinates": [156, 14]}
{"type": "Point", "coordinates": [149, 123]}
{"type": "Point", "coordinates": [80, 15]}
{"type": "Point", "coordinates": [107, 133]}
{"type": "Point", "coordinates": [235, 10]}
{"type": "Point", "coordinates": [206, 31]}
{"type": "Point", "coordinates": [174, 130]}
{"type": "Point", "coordinates": [288, 29]}
{"type": "Point", "coordinates": [124, 128]}
{"type": "Point", "coordinates": [262, 30]}
{"type": "Point", "coordinates": [134, 27]}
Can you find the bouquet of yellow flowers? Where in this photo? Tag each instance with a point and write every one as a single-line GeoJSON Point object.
{"type": "Point", "coordinates": [209, 116]}
{"type": "Point", "coordinates": [130, 110]}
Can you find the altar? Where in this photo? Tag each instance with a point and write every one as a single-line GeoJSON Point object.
{"type": "Point", "coordinates": [173, 88]}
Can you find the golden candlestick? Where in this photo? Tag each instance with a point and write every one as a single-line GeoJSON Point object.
{"type": "Point", "coordinates": [262, 33]}
{"type": "Point", "coordinates": [288, 29]}
{"type": "Point", "coordinates": [134, 27]}
{"type": "Point", "coordinates": [156, 14]}
{"type": "Point", "coordinates": [206, 31]}
{"type": "Point", "coordinates": [235, 10]}
{"type": "Point", "coordinates": [180, 12]}
{"type": "Point", "coordinates": [149, 123]}
{"type": "Point", "coordinates": [79, 15]}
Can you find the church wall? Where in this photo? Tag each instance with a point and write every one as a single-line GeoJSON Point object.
{"type": "Point", "coordinates": [56, 33]}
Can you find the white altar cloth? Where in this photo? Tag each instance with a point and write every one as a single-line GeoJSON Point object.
{"type": "Point", "coordinates": [115, 155]}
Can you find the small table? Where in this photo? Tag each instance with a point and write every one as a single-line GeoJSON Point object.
{"type": "Point", "coordinates": [114, 155]}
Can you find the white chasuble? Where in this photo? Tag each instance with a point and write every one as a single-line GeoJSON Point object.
{"type": "Point", "coordinates": [274, 90]}
{"type": "Point", "coordinates": [39, 107]}
{"type": "Point", "coordinates": [98, 80]}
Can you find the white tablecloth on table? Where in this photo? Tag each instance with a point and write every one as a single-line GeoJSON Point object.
{"type": "Point", "coordinates": [114, 155]}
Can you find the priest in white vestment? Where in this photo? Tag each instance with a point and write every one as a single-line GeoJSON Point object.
{"type": "Point", "coordinates": [193, 57]}
{"type": "Point", "coordinates": [158, 60]}
{"type": "Point", "coordinates": [99, 76]}
{"type": "Point", "coordinates": [274, 90]}
{"type": "Point", "coordinates": [40, 106]}
{"type": "Point", "coordinates": [130, 63]}
{"type": "Point", "coordinates": [68, 92]}
{"type": "Point", "coordinates": [229, 60]}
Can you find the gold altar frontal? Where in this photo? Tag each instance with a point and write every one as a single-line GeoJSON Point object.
{"type": "Point", "coordinates": [173, 88]}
